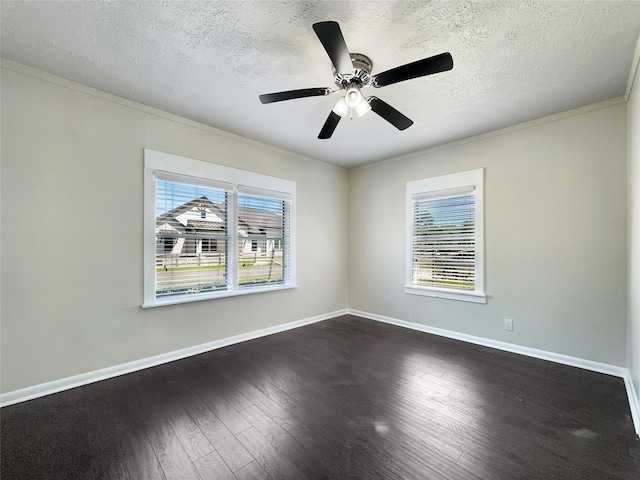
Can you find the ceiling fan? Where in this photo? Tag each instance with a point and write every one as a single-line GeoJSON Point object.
{"type": "Point", "coordinates": [352, 72]}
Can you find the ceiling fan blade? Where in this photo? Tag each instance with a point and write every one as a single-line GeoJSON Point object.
{"type": "Point", "coordinates": [293, 94]}
{"type": "Point", "coordinates": [333, 42]}
{"type": "Point", "coordinates": [390, 114]}
{"type": "Point", "coordinates": [329, 126]}
{"type": "Point", "coordinates": [426, 66]}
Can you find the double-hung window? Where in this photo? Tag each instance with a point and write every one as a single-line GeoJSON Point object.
{"type": "Point", "coordinates": [445, 238]}
{"type": "Point", "coordinates": [214, 231]}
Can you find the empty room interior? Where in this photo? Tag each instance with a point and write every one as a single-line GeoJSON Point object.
{"type": "Point", "coordinates": [320, 240]}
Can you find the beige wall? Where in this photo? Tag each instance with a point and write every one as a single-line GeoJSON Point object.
{"type": "Point", "coordinates": [555, 223]}
{"type": "Point", "coordinates": [72, 165]}
{"type": "Point", "coordinates": [633, 155]}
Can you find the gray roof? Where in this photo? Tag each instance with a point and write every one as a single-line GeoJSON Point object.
{"type": "Point", "coordinates": [254, 220]}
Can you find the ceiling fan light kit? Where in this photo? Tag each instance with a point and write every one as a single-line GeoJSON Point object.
{"type": "Point", "coordinates": [352, 72]}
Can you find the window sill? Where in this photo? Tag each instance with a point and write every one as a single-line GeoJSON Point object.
{"type": "Point", "coordinates": [473, 297]}
{"type": "Point", "coordinates": [212, 296]}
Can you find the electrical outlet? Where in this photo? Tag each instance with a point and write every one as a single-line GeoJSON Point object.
{"type": "Point", "coordinates": [508, 324]}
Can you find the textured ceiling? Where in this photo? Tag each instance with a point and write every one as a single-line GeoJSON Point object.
{"type": "Point", "coordinates": [208, 61]}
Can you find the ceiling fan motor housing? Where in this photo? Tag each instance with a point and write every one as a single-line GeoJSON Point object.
{"type": "Point", "coordinates": [361, 74]}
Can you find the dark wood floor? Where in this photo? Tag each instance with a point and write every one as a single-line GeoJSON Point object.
{"type": "Point", "coordinates": [346, 398]}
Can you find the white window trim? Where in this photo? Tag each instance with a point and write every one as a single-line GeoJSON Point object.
{"type": "Point", "coordinates": [453, 182]}
{"type": "Point", "coordinates": [155, 161]}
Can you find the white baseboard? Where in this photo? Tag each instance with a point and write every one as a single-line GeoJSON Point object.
{"type": "Point", "coordinates": [634, 402]}
{"type": "Point", "coordinates": [55, 386]}
{"type": "Point", "coordinates": [614, 370]}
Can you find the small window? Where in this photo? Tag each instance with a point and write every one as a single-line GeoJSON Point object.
{"type": "Point", "coordinates": [209, 245]}
{"type": "Point", "coordinates": [211, 231]}
{"type": "Point", "coordinates": [445, 253]}
{"type": "Point", "coordinates": [166, 244]}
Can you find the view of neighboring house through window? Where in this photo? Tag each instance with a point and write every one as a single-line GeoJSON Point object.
{"type": "Point", "coordinates": [445, 238]}
{"type": "Point", "coordinates": [262, 232]}
{"type": "Point", "coordinates": [184, 232]}
{"type": "Point", "coordinates": [218, 231]}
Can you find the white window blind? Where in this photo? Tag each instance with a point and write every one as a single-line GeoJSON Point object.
{"type": "Point", "coordinates": [192, 235]}
{"type": "Point", "coordinates": [263, 238]}
{"type": "Point", "coordinates": [443, 242]}
{"type": "Point", "coordinates": [445, 237]}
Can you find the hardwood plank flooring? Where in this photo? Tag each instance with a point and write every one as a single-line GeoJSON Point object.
{"type": "Point", "coordinates": [346, 398]}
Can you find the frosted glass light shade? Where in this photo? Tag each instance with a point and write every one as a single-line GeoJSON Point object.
{"type": "Point", "coordinates": [353, 97]}
{"type": "Point", "coordinates": [341, 108]}
{"type": "Point", "coordinates": [363, 107]}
